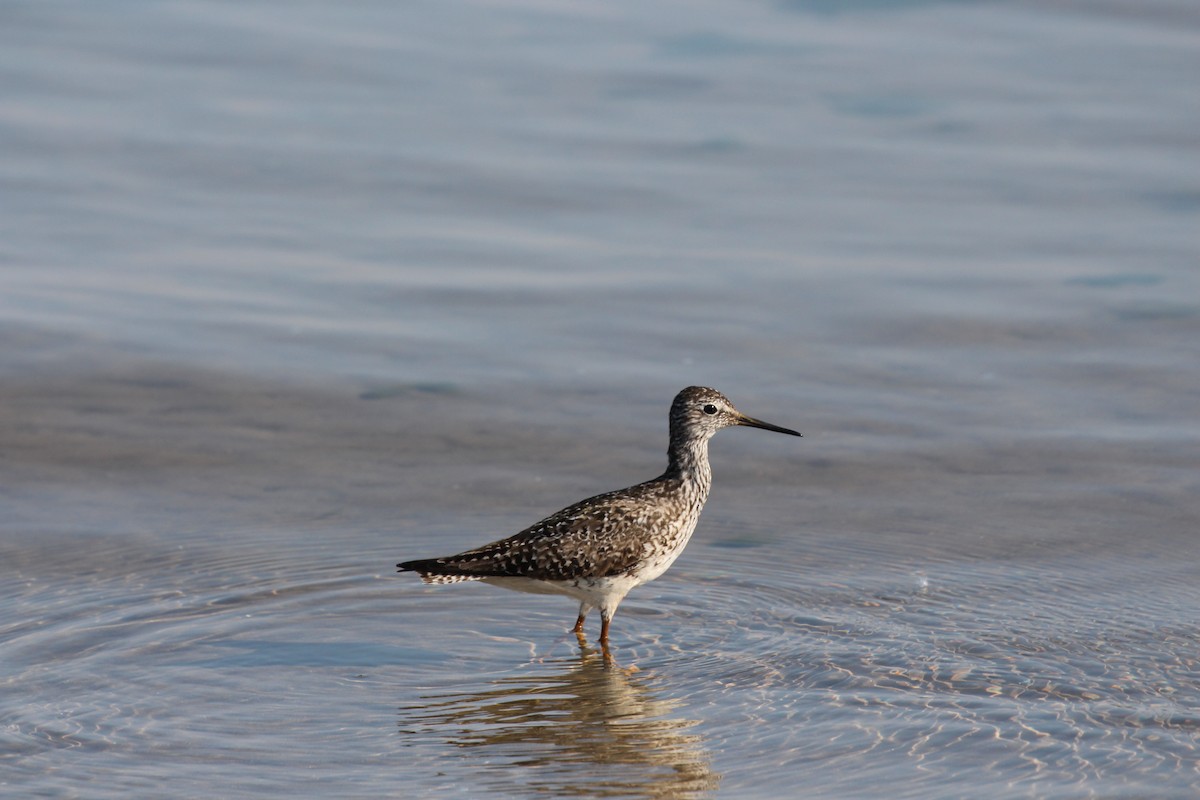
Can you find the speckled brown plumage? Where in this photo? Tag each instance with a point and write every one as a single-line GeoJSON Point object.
{"type": "Point", "coordinates": [598, 549]}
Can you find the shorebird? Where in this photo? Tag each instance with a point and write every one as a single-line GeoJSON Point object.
{"type": "Point", "coordinates": [598, 549]}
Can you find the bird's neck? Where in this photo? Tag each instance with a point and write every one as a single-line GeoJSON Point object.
{"type": "Point", "coordinates": [687, 461]}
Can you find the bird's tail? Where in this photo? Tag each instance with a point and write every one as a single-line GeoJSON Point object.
{"type": "Point", "coordinates": [435, 570]}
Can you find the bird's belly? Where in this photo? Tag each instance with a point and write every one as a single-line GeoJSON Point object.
{"type": "Point", "coordinates": [528, 585]}
{"type": "Point", "coordinates": [593, 591]}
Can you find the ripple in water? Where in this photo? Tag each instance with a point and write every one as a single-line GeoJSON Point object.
{"type": "Point", "coordinates": [959, 677]}
{"type": "Point", "coordinates": [1025, 674]}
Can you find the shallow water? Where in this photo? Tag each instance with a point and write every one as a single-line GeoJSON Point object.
{"type": "Point", "coordinates": [288, 294]}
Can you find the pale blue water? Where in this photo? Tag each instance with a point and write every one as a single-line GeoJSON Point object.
{"type": "Point", "coordinates": [290, 292]}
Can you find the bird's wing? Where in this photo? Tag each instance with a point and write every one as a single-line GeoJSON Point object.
{"type": "Point", "coordinates": [601, 536]}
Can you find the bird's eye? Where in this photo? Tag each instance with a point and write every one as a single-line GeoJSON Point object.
{"type": "Point", "coordinates": [710, 409]}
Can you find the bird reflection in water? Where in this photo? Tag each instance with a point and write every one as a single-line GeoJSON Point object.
{"type": "Point", "coordinates": [589, 728]}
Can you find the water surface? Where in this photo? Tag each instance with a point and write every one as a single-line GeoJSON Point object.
{"type": "Point", "coordinates": [291, 293]}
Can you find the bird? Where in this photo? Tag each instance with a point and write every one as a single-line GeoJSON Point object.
{"type": "Point", "coordinates": [597, 550]}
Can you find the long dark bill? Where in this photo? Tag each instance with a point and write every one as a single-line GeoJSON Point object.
{"type": "Point", "coordinates": [751, 422]}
